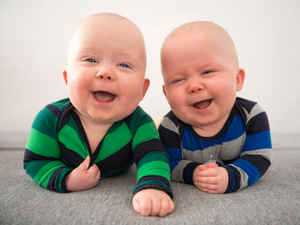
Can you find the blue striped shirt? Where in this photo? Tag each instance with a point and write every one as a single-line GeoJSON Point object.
{"type": "Point", "coordinates": [242, 147]}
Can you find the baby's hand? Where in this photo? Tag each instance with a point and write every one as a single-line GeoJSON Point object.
{"type": "Point", "coordinates": [152, 202]}
{"type": "Point", "coordinates": [83, 177]}
{"type": "Point", "coordinates": [211, 178]}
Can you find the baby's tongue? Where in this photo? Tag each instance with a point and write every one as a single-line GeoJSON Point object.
{"type": "Point", "coordinates": [202, 104]}
{"type": "Point", "coordinates": [104, 96]}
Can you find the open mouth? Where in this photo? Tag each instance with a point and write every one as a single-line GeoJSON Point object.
{"type": "Point", "coordinates": [103, 96]}
{"type": "Point", "coordinates": [202, 104]}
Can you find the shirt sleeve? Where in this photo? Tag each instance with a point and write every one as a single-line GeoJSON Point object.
{"type": "Point", "coordinates": [151, 158]}
{"type": "Point", "coordinates": [42, 154]}
{"type": "Point", "coordinates": [255, 157]}
{"type": "Point", "coordinates": [169, 131]}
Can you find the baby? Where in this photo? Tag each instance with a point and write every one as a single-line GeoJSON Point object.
{"type": "Point", "coordinates": [100, 130]}
{"type": "Point", "coordinates": [217, 141]}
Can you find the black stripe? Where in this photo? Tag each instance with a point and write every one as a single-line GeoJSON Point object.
{"type": "Point", "coordinates": [226, 162]}
{"type": "Point", "coordinates": [154, 177]}
{"type": "Point", "coordinates": [70, 157]}
{"type": "Point", "coordinates": [254, 127]}
{"type": "Point", "coordinates": [97, 151]}
{"type": "Point", "coordinates": [56, 111]}
{"type": "Point", "coordinates": [154, 186]}
{"type": "Point", "coordinates": [83, 135]}
{"type": "Point", "coordinates": [64, 116]}
{"type": "Point", "coordinates": [146, 147]}
{"type": "Point", "coordinates": [51, 183]}
{"type": "Point", "coordinates": [128, 119]}
{"type": "Point", "coordinates": [31, 156]}
{"type": "Point", "coordinates": [261, 163]}
{"type": "Point", "coordinates": [243, 103]}
{"type": "Point", "coordinates": [189, 170]}
{"type": "Point", "coordinates": [116, 160]}
{"type": "Point", "coordinates": [234, 179]}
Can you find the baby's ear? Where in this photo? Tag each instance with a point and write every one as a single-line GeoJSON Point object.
{"type": "Point", "coordinates": [145, 88]}
{"type": "Point", "coordinates": [240, 79]}
{"type": "Point", "coordinates": [164, 91]}
{"type": "Point", "coordinates": [65, 76]}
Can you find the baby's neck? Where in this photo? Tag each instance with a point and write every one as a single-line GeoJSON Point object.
{"type": "Point", "coordinates": [94, 131]}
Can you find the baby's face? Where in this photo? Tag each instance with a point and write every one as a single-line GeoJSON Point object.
{"type": "Point", "coordinates": [200, 81]}
{"type": "Point", "coordinates": [106, 67]}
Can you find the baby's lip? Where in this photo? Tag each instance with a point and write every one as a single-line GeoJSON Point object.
{"type": "Point", "coordinates": [202, 104]}
{"type": "Point", "coordinates": [104, 96]}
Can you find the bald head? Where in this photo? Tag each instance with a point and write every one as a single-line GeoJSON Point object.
{"type": "Point", "coordinates": [111, 27]}
{"type": "Point", "coordinates": [203, 33]}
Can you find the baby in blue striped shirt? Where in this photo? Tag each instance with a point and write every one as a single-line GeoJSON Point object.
{"type": "Point", "coordinates": [216, 141]}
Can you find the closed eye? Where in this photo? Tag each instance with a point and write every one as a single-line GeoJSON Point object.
{"type": "Point", "coordinates": [179, 80]}
{"type": "Point", "coordinates": [207, 72]}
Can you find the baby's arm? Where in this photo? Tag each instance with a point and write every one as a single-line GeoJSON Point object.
{"type": "Point", "coordinates": [83, 177]}
{"type": "Point", "coordinates": [211, 178]}
{"type": "Point", "coordinates": [43, 160]}
{"type": "Point", "coordinates": [152, 202]}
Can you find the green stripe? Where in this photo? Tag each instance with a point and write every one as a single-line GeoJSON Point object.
{"type": "Point", "coordinates": [144, 133]}
{"type": "Point", "coordinates": [42, 144]}
{"type": "Point", "coordinates": [157, 168]}
{"type": "Point", "coordinates": [140, 117]}
{"type": "Point", "coordinates": [61, 103]}
{"type": "Point", "coordinates": [43, 175]}
{"type": "Point", "coordinates": [59, 178]}
{"type": "Point", "coordinates": [115, 126]}
{"type": "Point", "coordinates": [46, 122]}
{"type": "Point", "coordinates": [72, 140]}
{"type": "Point", "coordinates": [114, 141]}
{"type": "Point", "coordinates": [154, 156]}
{"type": "Point", "coordinates": [33, 167]}
{"type": "Point", "coordinates": [71, 122]}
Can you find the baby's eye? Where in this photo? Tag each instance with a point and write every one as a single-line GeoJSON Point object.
{"type": "Point", "coordinates": [124, 65]}
{"type": "Point", "coordinates": [177, 80]}
{"type": "Point", "coordinates": [207, 72]}
{"type": "Point", "coordinates": [91, 60]}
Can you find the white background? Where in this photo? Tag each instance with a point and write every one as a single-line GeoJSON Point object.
{"type": "Point", "coordinates": [35, 36]}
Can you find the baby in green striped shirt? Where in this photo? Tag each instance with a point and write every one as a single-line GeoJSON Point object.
{"type": "Point", "coordinates": [100, 130]}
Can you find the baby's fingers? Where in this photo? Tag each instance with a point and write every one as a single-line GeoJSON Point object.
{"type": "Point", "coordinates": [212, 164]}
{"type": "Point", "coordinates": [94, 171]}
{"type": "Point", "coordinates": [142, 207]}
{"type": "Point", "coordinates": [211, 172]}
{"type": "Point", "coordinates": [85, 164]}
{"type": "Point", "coordinates": [209, 188]}
{"type": "Point", "coordinates": [166, 208]}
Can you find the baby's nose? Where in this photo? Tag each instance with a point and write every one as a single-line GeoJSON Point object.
{"type": "Point", "coordinates": [195, 87]}
{"type": "Point", "coordinates": [106, 73]}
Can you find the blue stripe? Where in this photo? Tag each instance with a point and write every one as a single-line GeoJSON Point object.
{"type": "Point", "coordinates": [192, 143]}
{"type": "Point", "coordinates": [174, 156]}
{"type": "Point", "coordinates": [233, 179]}
{"type": "Point", "coordinates": [252, 172]}
{"type": "Point", "coordinates": [260, 140]}
{"type": "Point", "coordinates": [235, 129]}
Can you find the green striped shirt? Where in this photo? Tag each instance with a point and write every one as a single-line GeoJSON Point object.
{"type": "Point", "coordinates": [57, 144]}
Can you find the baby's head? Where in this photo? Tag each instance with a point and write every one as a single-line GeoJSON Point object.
{"type": "Point", "coordinates": [105, 74]}
{"type": "Point", "coordinates": [201, 75]}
